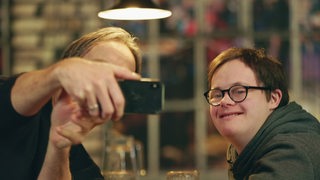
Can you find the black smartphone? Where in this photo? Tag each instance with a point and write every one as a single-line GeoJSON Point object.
{"type": "Point", "coordinates": [145, 96]}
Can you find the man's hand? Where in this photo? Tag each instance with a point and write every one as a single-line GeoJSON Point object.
{"type": "Point", "coordinates": [94, 84]}
{"type": "Point", "coordinates": [90, 83]}
{"type": "Point", "coordinates": [70, 123]}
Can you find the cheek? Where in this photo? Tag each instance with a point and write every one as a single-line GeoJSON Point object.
{"type": "Point", "coordinates": [213, 113]}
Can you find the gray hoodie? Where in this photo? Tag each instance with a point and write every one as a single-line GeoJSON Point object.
{"type": "Point", "coordinates": [287, 146]}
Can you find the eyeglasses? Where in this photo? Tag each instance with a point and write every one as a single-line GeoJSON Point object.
{"type": "Point", "coordinates": [237, 93]}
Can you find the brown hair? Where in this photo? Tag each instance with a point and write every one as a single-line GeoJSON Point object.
{"type": "Point", "coordinates": [268, 70]}
{"type": "Point", "coordinates": [82, 45]}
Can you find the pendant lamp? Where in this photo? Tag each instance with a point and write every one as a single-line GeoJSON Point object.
{"type": "Point", "coordinates": [135, 10]}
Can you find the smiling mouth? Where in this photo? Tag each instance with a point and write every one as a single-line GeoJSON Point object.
{"type": "Point", "coordinates": [229, 115]}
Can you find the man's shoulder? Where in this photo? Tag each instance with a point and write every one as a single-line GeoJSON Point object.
{"type": "Point", "coordinates": [3, 79]}
{"type": "Point", "coordinates": [8, 79]}
{"type": "Point", "coordinates": [304, 143]}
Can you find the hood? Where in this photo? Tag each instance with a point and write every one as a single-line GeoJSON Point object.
{"type": "Point", "coordinates": [287, 119]}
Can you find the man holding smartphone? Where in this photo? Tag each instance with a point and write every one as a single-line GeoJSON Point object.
{"type": "Point", "coordinates": [47, 113]}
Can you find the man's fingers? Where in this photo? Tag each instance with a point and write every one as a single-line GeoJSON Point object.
{"type": "Point", "coordinates": [71, 131]}
{"type": "Point", "coordinates": [124, 73]}
{"type": "Point", "coordinates": [118, 101]}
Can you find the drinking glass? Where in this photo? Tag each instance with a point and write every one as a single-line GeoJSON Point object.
{"type": "Point", "coordinates": [183, 175]}
{"type": "Point", "coordinates": [139, 150]}
{"type": "Point", "coordinates": [119, 175]}
{"type": "Point", "coordinates": [120, 159]}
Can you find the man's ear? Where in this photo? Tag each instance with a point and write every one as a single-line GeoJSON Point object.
{"type": "Point", "coordinates": [275, 98]}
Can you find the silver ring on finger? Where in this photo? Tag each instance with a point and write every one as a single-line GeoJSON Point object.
{"type": "Point", "coordinates": [93, 107]}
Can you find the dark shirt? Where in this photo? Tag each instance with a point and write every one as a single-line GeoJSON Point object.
{"type": "Point", "coordinates": [285, 147]}
{"type": "Point", "coordinates": [24, 142]}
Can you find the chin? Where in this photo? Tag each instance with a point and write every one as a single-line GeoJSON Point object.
{"type": "Point", "coordinates": [228, 134]}
{"type": "Point", "coordinates": [226, 131]}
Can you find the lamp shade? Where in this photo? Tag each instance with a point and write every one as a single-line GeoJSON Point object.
{"type": "Point", "coordinates": [134, 10]}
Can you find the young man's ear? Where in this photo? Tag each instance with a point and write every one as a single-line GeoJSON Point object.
{"type": "Point", "coordinates": [275, 98]}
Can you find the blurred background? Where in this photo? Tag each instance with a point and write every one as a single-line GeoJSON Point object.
{"type": "Point", "coordinates": [177, 51]}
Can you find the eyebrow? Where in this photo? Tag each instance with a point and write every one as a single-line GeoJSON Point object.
{"type": "Point", "coordinates": [233, 84]}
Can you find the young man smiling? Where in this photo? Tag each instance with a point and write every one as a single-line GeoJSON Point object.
{"type": "Point", "coordinates": [249, 105]}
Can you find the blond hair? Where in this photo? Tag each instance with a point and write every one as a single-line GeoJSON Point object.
{"type": "Point", "coordinates": [82, 45]}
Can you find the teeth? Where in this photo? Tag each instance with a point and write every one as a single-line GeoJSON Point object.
{"type": "Point", "coordinates": [230, 115]}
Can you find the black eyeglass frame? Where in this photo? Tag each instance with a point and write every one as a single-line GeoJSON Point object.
{"type": "Point", "coordinates": [228, 90]}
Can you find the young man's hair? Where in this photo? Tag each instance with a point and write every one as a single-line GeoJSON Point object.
{"type": "Point", "coordinates": [268, 70]}
{"type": "Point", "coordinates": [84, 44]}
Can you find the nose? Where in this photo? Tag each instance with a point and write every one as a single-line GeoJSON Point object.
{"type": "Point", "coordinates": [226, 100]}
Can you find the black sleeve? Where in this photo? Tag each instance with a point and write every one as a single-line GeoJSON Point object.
{"type": "Point", "coordinates": [9, 117]}
{"type": "Point", "coordinates": [82, 166]}
{"type": "Point", "coordinates": [6, 84]}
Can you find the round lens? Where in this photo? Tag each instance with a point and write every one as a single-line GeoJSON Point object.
{"type": "Point", "coordinates": [238, 93]}
{"type": "Point", "coordinates": [215, 96]}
